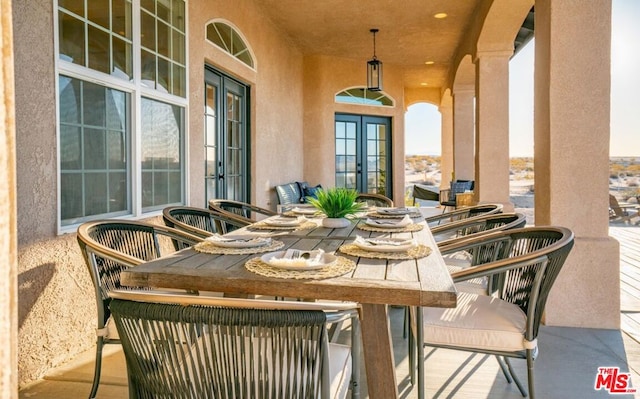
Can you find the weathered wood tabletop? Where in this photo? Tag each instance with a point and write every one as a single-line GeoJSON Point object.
{"type": "Point", "coordinates": [374, 284]}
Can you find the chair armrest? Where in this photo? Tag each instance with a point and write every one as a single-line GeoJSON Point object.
{"type": "Point", "coordinates": [496, 267]}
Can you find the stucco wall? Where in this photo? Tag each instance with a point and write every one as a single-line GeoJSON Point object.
{"type": "Point", "coordinates": [324, 77]}
{"type": "Point", "coordinates": [277, 153]}
{"type": "Point", "coordinates": [56, 302]}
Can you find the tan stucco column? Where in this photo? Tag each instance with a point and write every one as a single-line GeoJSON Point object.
{"type": "Point", "coordinates": [492, 128]}
{"type": "Point", "coordinates": [8, 226]}
{"type": "Point", "coordinates": [463, 133]}
{"type": "Point", "coordinates": [446, 162]}
{"type": "Point", "coordinates": [571, 127]}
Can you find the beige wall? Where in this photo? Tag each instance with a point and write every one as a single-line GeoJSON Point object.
{"type": "Point", "coordinates": [324, 77]}
{"type": "Point", "coordinates": [55, 303]}
{"type": "Point", "coordinates": [276, 95]}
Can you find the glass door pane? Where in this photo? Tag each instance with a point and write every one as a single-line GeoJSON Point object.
{"type": "Point", "coordinates": [362, 148]}
{"type": "Point", "coordinates": [226, 138]}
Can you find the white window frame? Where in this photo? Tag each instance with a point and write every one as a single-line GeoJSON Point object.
{"type": "Point", "coordinates": [136, 91]}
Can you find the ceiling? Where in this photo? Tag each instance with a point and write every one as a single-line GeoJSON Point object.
{"type": "Point", "coordinates": [409, 33]}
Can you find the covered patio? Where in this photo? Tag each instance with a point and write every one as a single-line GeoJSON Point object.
{"type": "Point", "coordinates": [566, 368]}
{"type": "Point", "coordinates": [114, 112]}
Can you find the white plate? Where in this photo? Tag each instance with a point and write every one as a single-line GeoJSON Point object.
{"type": "Point", "coordinates": [275, 259]}
{"type": "Point", "coordinates": [304, 211]}
{"type": "Point", "coordinates": [241, 243]}
{"type": "Point", "coordinates": [283, 221]}
{"type": "Point", "coordinates": [394, 211]}
{"type": "Point", "coordinates": [385, 244]}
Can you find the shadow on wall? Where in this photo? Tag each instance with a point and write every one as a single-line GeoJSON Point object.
{"type": "Point", "coordinates": [31, 284]}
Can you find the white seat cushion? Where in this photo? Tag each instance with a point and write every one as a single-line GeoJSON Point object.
{"type": "Point", "coordinates": [339, 370]}
{"type": "Point", "coordinates": [478, 322]}
{"type": "Point", "coordinates": [460, 259]}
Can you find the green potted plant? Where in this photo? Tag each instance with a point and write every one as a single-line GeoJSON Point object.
{"type": "Point", "coordinates": [336, 204]}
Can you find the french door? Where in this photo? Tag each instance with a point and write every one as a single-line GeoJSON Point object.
{"type": "Point", "coordinates": [226, 137]}
{"type": "Point", "coordinates": [363, 153]}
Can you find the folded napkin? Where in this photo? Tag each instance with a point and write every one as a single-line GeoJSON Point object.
{"type": "Point", "coordinates": [299, 258]}
{"type": "Point", "coordinates": [384, 242]}
{"type": "Point", "coordinates": [405, 221]}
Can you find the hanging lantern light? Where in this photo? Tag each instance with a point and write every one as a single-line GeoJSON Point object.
{"type": "Point", "coordinates": [374, 68]}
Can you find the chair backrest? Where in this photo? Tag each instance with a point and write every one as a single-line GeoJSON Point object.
{"type": "Point", "coordinates": [446, 233]}
{"type": "Point", "coordinates": [206, 347]}
{"type": "Point", "coordinates": [200, 222]}
{"type": "Point", "coordinates": [459, 187]}
{"type": "Point", "coordinates": [373, 199]}
{"type": "Point", "coordinates": [289, 193]}
{"type": "Point", "coordinates": [424, 193]}
{"type": "Point", "coordinates": [110, 246]}
{"type": "Point", "coordinates": [241, 211]}
{"type": "Point", "coordinates": [524, 263]}
{"type": "Point", "coordinates": [464, 213]}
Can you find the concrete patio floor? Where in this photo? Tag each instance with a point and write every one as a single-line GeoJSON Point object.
{"type": "Point", "coordinates": [566, 366]}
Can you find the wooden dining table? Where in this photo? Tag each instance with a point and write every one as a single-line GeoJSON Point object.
{"type": "Point", "coordinates": [374, 283]}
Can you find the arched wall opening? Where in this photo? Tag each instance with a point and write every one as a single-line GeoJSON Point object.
{"type": "Point", "coordinates": [423, 147]}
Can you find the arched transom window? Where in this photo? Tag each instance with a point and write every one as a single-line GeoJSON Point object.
{"type": "Point", "coordinates": [360, 95]}
{"type": "Point", "coordinates": [225, 36]}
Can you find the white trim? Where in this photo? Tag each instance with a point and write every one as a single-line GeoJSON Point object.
{"type": "Point", "coordinates": [382, 92]}
{"type": "Point", "coordinates": [136, 91]}
{"type": "Point", "coordinates": [239, 33]}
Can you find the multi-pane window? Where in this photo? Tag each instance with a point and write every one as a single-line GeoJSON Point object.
{"type": "Point", "coordinates": [101, 124]}
{"type": "Point", "coordinates": [161, 154]}
{"type": "Point", "coordinates": [162, 36]}
{"type": "Point", "coordinates": [228, 39]}
{"type": "Point", "coordinates": [97, 34]}
{"type": "Point", "coordinates": [94, 154]}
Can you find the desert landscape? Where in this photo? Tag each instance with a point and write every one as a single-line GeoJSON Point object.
{"type": "Point", "coordinates": [624, 180]}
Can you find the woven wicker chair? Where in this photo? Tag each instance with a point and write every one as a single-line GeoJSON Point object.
{"type": "Point", "coordinates": [199, 222]}
{"type": "Point", "coordinates": [464, 213]}
{"type": "Point", "coordinates": [240, 211]}
{"type": "Point", "coordinates": [179, 346]}
{"type": "Point", "coordinates": [448, 196]}
{"type": "Point", "coordinates": [524, 263]}
{"type": "Point", "coordinates": [373, 199]}
{"type": "Point", "coordinates": [108, 248]}
{"type": "Point", "coordinates": [473, 227]}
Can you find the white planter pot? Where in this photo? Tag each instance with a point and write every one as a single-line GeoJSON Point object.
{"type": "Point", "coordinates": [335, 223]}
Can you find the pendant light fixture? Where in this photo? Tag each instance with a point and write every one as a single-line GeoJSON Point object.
{"type": "Point", "coordinates": [374, 68]}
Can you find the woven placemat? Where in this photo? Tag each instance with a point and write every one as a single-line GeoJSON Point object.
{"type": "Point", "coordinates": [295, 214]}
{"type": "Point", "coordinates": [265, 226]}
{"type": "Point", "coordinates": [409, 228]}
{"type": "Point", "coordinates": [210, 248]}
{"type": "Point", "coordinates": [341, 266]}
{"type": "Point", "coordinates": [417, 252]}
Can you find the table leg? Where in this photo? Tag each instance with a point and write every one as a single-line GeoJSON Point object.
{"type": "Point", "coordinates": [378, 352]}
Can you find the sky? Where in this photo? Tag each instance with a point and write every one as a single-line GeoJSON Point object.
{"type": "Point", "coordinates": [423, 121]}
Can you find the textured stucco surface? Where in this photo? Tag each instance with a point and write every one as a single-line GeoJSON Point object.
{"type": "Point", "coordinates": [35, 120]}
{"type": "Point", "coordinates": [56, 308]}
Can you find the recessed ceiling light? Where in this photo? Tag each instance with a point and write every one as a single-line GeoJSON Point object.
{"type": "Point", "coordinates": [423, 84]}
{"type": "Point", "coordinates": [429, 62]}
{"type": "Point", "coordinates": [440, 15]}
